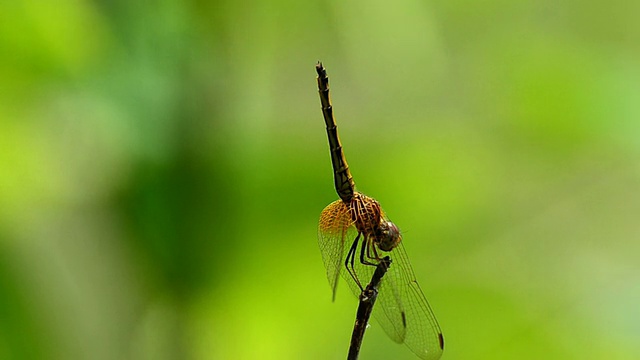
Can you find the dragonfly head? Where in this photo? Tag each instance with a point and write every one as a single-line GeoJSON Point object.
{"type": "Point", "coordinates": [388, 236]}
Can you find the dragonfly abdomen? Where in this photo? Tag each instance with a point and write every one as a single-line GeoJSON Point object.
{"type": "Point", "coordinates": [345, 186]}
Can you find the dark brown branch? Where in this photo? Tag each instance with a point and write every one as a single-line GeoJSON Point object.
{"type": "Point", "coordinates": [367, 300]}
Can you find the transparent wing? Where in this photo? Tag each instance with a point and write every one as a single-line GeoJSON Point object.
{"type": "Point", "coordinates": [389, 309]}
{"type": "Point", "coordinates": [401, 308]}
{"type": "Point", "coordinates": [402, 302]}
{"type": "Point", "coordinates": [336, 234]}
{"type": "Point", "coordinates": [334, 229]}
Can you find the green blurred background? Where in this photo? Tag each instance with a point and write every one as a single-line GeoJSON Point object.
{"type": "Point", "coordinates": [163, 166]}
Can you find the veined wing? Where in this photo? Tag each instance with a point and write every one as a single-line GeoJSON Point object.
{"type": "Point", "coordinates": [334, 229]}
{"type": "Point", "coordinates": [401, 310]}
{"type": "Point", "coordinates": [336, 234]}
{"type": "Point", "coordinates": [400, 292]}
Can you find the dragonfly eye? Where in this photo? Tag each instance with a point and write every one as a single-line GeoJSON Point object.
{"type": "Point", "coordinates": [388, 236]}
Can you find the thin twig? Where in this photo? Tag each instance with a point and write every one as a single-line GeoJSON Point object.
{"type": "Point", "coordinates": [367, 300]}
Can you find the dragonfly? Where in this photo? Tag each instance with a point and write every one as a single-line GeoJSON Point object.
{"type": "Point", "coordinates": [354, 234]}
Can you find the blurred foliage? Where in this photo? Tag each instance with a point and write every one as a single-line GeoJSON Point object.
{"type": "Point", "coordinates": [163, 166]}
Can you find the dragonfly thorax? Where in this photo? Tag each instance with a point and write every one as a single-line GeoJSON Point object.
{"type": "Point", "coordinates": [370, 220]}
{"type": "Point", "coordinates": [388, 236]}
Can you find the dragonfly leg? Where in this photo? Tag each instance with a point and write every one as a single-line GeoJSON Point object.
{"type": "Point", "coordinates": [369, 252]}
{"type": "Point", "coordinates": [372, 249]}
{"type": "Point", "coordinates": [350, 259]}
{"type": "Point", "coordinates": [375, 254]}
{"type": "Point", "coordinates": [365, 244]}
